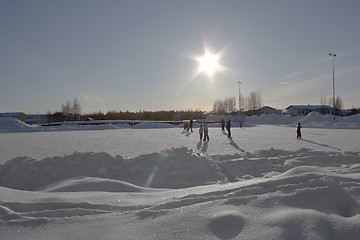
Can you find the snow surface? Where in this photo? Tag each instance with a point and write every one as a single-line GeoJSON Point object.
{"type": "Point", "coordinates": [155, 181]}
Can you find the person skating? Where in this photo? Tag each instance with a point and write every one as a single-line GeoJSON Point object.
{"type": "Point", "coordinates": [298, 131]}
{"type": "Point", "coordinates": [206, 131]}
{"type": "Point", "coordinates": [191, 125]}
{"type": "Point", "coordinates": [222, 124]}
{"type": "Point", "coordinates": [228, 127]}
{"type": "Point", "coordinates": [201, 131]}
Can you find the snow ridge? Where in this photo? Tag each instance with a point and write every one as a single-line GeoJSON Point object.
{"type": "Point", "coordinates": [273, 194]}
{"type": "Point", "coordinates": [173, 168]}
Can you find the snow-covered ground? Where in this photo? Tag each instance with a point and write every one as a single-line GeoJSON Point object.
{"type": "Point", "coordinates": [154, 181]}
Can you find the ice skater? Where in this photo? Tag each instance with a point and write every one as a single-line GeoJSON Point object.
{"type": "Point", "coordinates": [190, 125]}
{"type": "Point", "coordinates": [298, 131]}
{"type": "Point", "coordinates": [228, 127]}
{"type": "Point", "coordinates": [222, 124]}
{"type": "Point", "coordinates": [201, 131]}
{"type": "Point", "coordinates": [206, 131]}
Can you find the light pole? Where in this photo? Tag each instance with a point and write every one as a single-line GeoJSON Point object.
{"type": "Point", "coordinates": [239, 103]}
{"type": "Point", "coordinates": [333, 55]}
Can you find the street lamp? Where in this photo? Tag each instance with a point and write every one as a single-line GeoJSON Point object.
{"type": "Point", "coordinates": [239, 104]}
{"type": "Point", "coordinates": [333, 55]}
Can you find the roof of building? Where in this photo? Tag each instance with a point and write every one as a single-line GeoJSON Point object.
{"type": "Point", "coordinates": [268, 107]}
{"type": "Point", "coordinates": [309, 107]}
{"type": "Point", "coordinates": [10, 114]}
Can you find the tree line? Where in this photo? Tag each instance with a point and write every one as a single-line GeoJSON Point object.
{"type": "Point", "coordinates": [71, 111]}
{"type": "Point", "coordinates": [171, 115]}
{"type": "Point", "coordinates": [250, 104]}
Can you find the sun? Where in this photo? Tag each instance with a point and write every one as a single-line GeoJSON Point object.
{"type": "Point", "coordinates": [208, 63]}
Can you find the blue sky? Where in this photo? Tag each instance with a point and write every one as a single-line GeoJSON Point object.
{"type": "Point", "coordinates": [139, 55]}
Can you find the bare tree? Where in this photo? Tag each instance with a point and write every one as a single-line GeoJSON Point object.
{"type": "Point", "coordinates": [66, 108]}
{"type": "Point", "coordinates": [219, 107]}
{"type": "Point", "coordinates": [225, 106]}
{"type": "Point", "coordinates": [71, 110]}
{"type": "Point", "coordinates": [339, 103]}
{"type": "Point", "coordinates": [76, 108]}
{"type": "Point", "coordinates": [259, 99]}
{"type": "Point", "coordinates": [230, 104]}
{"type": "Point", "coordinates": [254, 100]}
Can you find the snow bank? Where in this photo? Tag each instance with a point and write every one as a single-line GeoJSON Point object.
{"type": "Point", "coordinates": [173, 168]}
{"type": "Point", "coordinates": [271, 194]}
{"type": "Point", "coordinates": [13, 125]}
{"type": "Point", "coordinates": [313, 119]}
{"type": "Point", "coordinates": [272, 119]}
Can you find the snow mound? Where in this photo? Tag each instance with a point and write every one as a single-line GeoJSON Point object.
{"type": "Point", "coordinates": [301, 203]}
{"type": "Point", "coordinates": [271, 194]}
{"type": "Point", "coordinates": [272, 119]}
{"type": "Point", "coordinates": [173, 168]}
{"type": "Point", "coordinates": [314, 119]}
{"type": "Point", "coordinates": [13, 125]}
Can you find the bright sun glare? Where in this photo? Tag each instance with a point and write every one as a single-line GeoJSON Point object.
{"type": "Point", "coordinates": [208, 63]}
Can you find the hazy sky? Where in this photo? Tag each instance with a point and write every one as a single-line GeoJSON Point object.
{"type": "Point", "coordinates": [139, 54]}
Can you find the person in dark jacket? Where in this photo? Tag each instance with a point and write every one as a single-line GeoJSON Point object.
{"type": "Point", "coordinates": [222, 124]}
{"type": "Point", "coordinates": [228, 127]}
{"type": "Point", "coordinates": [206, 131]}
{"type": "Point", "coordinates": [191, 125]}
{"type": "Point", "coordinates": [298, 130]}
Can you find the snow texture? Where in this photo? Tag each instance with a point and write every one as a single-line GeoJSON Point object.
{"type": "Point", "coordinates": [154, 182]}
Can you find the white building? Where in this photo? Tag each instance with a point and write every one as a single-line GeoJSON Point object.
{"type": "Point", "coordinates": [302, 110]}
{"type": "Point", "coordinates": [269, 110]}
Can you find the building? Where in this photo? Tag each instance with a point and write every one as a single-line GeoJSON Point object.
{"type": "Point", "coordinates": [18, 115]}
{"type": "Point", "coordinates": [302, 110]}
{"type": "Point", "coordinates": [37, 118]}
{"type": "Point", "coordinates": [269, 110]}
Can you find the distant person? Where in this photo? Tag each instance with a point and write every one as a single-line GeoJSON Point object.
{"type": "Point", "coordinates": [206, 131]}
{"type": "Point", "coordinates": [298, 131]}
{"type": "Point", "coordinates": [201, 131]}
{"type": "Point", "coordinates": [228, 127]}
{"type": "Point", "coordinates": [222, 124]}
{"type": "Point", "coordinates": [185, 126]}
{"type": "Point", "coordinates": [191, 125]}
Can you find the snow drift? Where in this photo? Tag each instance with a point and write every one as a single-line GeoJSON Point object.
{"type": "Point", "coordinates": [181, 194]}
{"type": "Point", "coordinates": [262, 184]}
